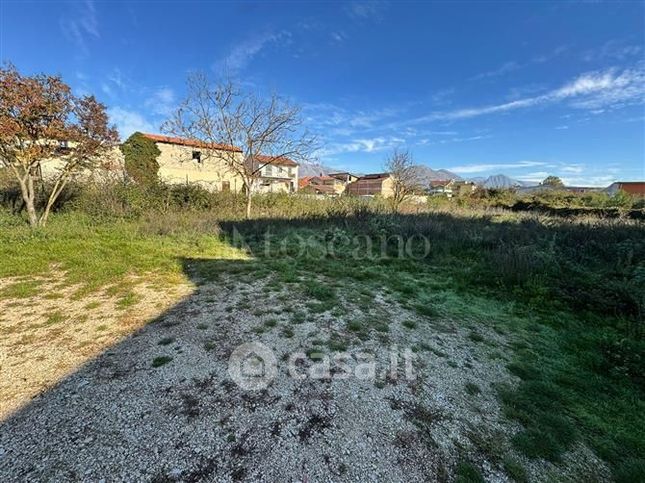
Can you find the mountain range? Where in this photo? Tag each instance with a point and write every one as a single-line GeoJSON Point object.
{"type": "Point", "coordinates": [427, 174]}
{"type": "Point", "coordinates": [500, 181]}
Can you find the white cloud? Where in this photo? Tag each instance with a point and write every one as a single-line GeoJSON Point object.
{"type": "Point", "coordinates": [367, 9]}
{"type": "Point", "coordinates": [161, 102]}
{"type": "Point", "coordinates": [368, 145]}
{"type": "Point", "coordinates": [128, 122]}
{"type": "Point", "coordinates": [612, 49]}
{"type": "Point", "coordinates": [107, 90]}
{"type": "Point", "coordinates": [535, 177]}
{"type": "Point", "coordinates": [456, 139]}
{"type": "Point", "coordinates": [338, 37]}
{"type": "Point", "coordinates": [573, 168]}
{"type": "Point", "coordinates": [338, 121]}
{"type": "Point", "coordinates": [81, 25]}
{"type": "Point", "coordinates": [480, 168]}
{"type": "Point", "coordinates": [512, 65]}
{"type": "Point", "coordinates": [117, 78]}
{"type": "Point", "coordinates": [242, 54]}
{"type": "Point", "coordinates": [503, 69]}
{"type": "Point", "coordinates": [593, 90]}
{"type": "Point", "coordinates": [602, 180]}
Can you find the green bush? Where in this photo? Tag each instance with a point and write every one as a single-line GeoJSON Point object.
{"type": "Point", "coordinates": [140, 158]}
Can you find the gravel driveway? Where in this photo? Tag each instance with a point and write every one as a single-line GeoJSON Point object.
{"type": "Point", "coordinates": [162, 406]}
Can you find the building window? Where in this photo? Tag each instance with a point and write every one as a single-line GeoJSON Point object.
{"type": "Point", "coordinates": [268, 169]}
{"type": "Point", "coordinates": [197, 156]}
{"type": "Point", "coordinates": [290, 172]}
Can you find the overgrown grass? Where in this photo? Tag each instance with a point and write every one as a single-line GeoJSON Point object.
{"type": "Point", "coordinates": [568, 294]}
{"type": "Point", "coordinates": [95, 254]}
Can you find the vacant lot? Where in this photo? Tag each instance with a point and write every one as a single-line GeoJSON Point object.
{"type": "Point", "coordinates": [524, 336]}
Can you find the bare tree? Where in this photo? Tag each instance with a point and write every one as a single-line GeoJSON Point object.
{"type": "Point", "coordinates": [41, 120]}
{"type": "Point", "coordinates": [405, 176]}
{"type": "Point", "coordinates": [265, 129]}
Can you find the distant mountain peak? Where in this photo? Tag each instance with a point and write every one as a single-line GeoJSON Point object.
{"type": "Point", "coordinates": [500, 181]}
{"type": "Point", "coordinates": [309, 168]}
{"type": "Point", "coordinates": [428, 174]}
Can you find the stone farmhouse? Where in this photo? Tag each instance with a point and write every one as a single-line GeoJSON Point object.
{"type": "Point", "coordinates": [188, 161]}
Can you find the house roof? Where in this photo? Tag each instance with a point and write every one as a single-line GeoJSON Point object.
{"type": "Point", "coordinates": [307, 180]}
{"type": "Point", "coordinates": [375, 176]}
{"type": "Point", "coordinates": [190, 142]}
{"type": "Point", "coordinates": [321, 189]}
{"type": "Point", "coordinates": [343, 173]}
{"type": "Point", "coordinates": [275, 160]}
{"type": "Point", "coordinates": [440, 183]}
{"type": "Point", "coordinates": [304, 181]}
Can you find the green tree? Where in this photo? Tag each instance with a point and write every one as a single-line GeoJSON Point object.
{"type": "Point", "coordinates": [553, 181]}
{"type": "Point", "coordinates": [140, 155]}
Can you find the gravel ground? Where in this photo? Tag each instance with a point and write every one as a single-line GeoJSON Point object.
{"type": "Point", "coordinates": [119, 418]}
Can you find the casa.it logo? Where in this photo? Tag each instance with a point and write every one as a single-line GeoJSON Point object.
{"type": "Point", "coordinates": [252, 366]}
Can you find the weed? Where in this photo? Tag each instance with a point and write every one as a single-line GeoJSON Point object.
{"type": "Point", "coordinates": [472, 388]}
{"type": "Point", "coordinates": [319, 291]}
{"type": "Point", "coordinates": [160, 361]}
{"type": "Point", "coordinates": [337, 344]}
{"type": "Point", "coordinates": [466, 472]}
{"type": "Point", "coordinates": [166, 341]}
{"type": "Point", "coordinates": [298, 317]}
{"type": "Point", "coordinates": [127, 300]}
{"type": "Point", "coordinates": [20, 290]}
{"type": "Point", "coordinates": [409, 324]}
{"type": "Point", "coordinates": [476, 336]}
{"type": "Point", "coordinates": [55, 318]}
{"type": "Point", "coordinates": [515, 470]}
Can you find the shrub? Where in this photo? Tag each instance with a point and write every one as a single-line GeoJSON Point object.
{"type": "Point", "coordinates": [140, 157]}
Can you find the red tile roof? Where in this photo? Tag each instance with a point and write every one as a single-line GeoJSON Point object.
{"type": "Point", "coordinates": [190, 142]}
{"type": "Point", "coordinates": [306, 180]}
{"type": "Point", "coordinates": [632, 187]}
{"type": "Point", "coordinates": [275, 160]}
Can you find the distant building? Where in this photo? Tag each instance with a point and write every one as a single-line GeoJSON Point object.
{"type": "Point", "coordinates": [441, 187]}
{"type": "Point", "coordinates": [634, 188]}
{"type": "Point", "coordinates": [191, 161]}
{"type": "Point", "coordinates": [371, 185]}
{"type": "Point", "coordinates": [278, 174]}
{"type": "Point", "coordinates": [451, 187]}
{"type": "Point", "coordinates": [322, 184]}
{"type": "Point", "coordinates": [345, 177]}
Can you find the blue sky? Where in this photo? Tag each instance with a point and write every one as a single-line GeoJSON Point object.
{"type": "Point", "coordinates": [526, 89]}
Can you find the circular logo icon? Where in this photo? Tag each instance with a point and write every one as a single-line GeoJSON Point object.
{"type": "Point", "coordinates": [252, 366]}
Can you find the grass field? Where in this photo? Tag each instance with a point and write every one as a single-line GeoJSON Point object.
{"type": "Point", "coordinates": [550, 309]}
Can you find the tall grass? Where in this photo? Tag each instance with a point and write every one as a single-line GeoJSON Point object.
{"type": "Point", "coordinates": [575, 285]}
